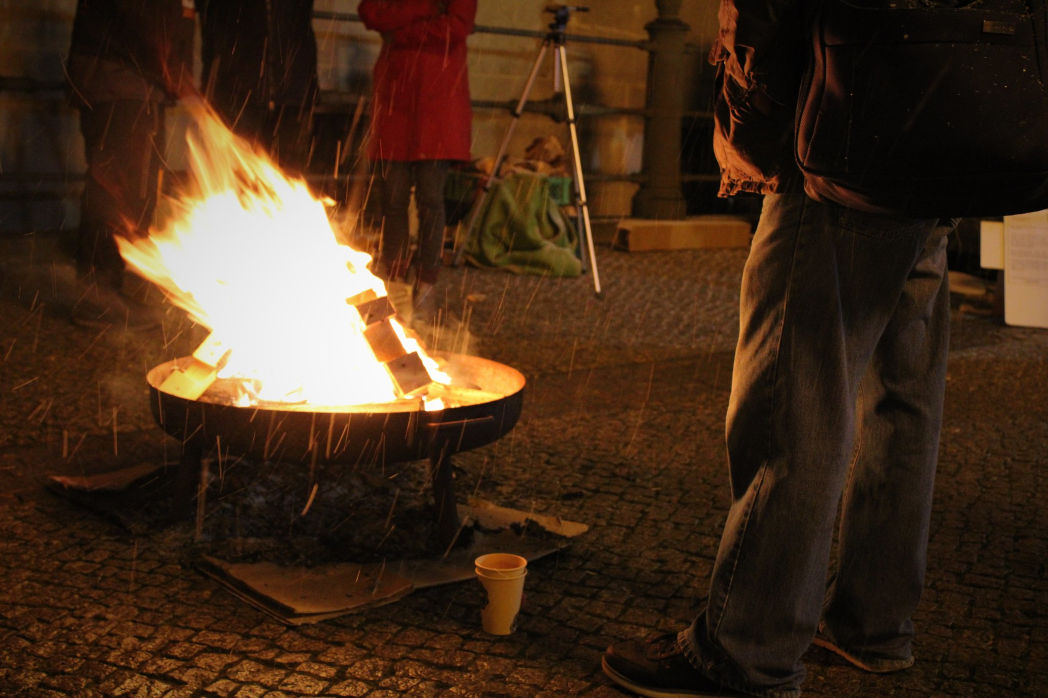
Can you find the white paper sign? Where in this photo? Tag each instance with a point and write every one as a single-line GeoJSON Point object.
{"type": "Point", "coordinates": [1026, 269]}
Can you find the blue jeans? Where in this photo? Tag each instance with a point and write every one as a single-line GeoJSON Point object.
{"type": "Point", "coordinates": [836, 397]}
{"type": "Point", "coordinates": [428, 178]}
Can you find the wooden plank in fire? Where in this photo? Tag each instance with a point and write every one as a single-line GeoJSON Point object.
{"type": "Point", "coordinates": [362, 297]}
{"type": "Point", "coordinates": [410, 377]}
{"type": "Point", "coordinates": [409, 373]}
{"type": "Point", "coordinates": [457, 395]}
{"type": "Point", "coordinates": [384, 341]}
{"type": "Point", "coordinates": [375, 310]}
{"type": "Point", "coordinates": [372, 307]}
{"type": "Point", "coordinates": [194, 378]}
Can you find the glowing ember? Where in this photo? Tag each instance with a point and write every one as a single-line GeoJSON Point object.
{"type": "Point", "coordinates": [252, 256]}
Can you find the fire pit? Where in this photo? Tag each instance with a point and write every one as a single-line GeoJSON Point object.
{"type": "Point", "coordinates": [307, 360]}
{"type": "Point", "coordinates": [482, 403]}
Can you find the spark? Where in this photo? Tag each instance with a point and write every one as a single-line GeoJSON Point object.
{"type": "Point", "coordinates": [116, 450]}
{"type": "Point", "coordinates": [640, 412]}
{"type": "Point", "coordinates": [339, 524]}
{"type": "Point", "coordinates": [168, 342]}
{"type": "Point", "coordinates": [221, 469]}
{"type": "Point", "coordinates": [480, 477]}
{"type": "Point", "coordinates": [531, 301]}
{"type": "Point", "coordinates": [392, 507]}
{"type": "Point", "coordinates": [77, 447]}
{"type": "Point", "coordinates": [134, 560]}
{"type": "Point", "coordinates": [378, 577]}
{"type": "Point", "coordinates": [190, 435]}
{"type": "Point", "coordinates": [201, 500]}
{"type": "Point", "coordinates": [36, 332]}
{"type": "Point", "coordinates": [30, 314]}
{"type": "Point", "coordinates": [312, 496]}
{"type": "Point", "coordinates": [42, 408]}
{"type": "Point", "coordinates": [454, 539]}
{"type": "Point", "coordinates": [18, 387]}
{"type": "Point", "coordinates": [275, 448]}
{"type": "Point", "coordinates": [385, 537]}
{"type": "Point", "coordinates": [93, 341]}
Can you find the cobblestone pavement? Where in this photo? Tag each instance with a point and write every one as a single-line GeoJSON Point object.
{"type": "Point", "coordinates": [622, 429]}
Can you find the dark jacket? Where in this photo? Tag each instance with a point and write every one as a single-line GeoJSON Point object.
{"type": "Point", "coordinates": [258, 53]}
{"type": "Point", "coordinates": [150, 41]}
{"type": "Point", "coordinates": [761, 52]}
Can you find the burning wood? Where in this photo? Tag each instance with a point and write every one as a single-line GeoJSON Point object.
{"type": "Point", "coordinates": [252, 255]}
{"type": "Point", "coordinates": [384, 341]}
{"type": "Point", "coordinates": [362, 297]}
{"type": "Point", "coordinates": [375, 310]}
{"type": "Point", "coordinates": [409, 373]}
{"type": "Point", "coordinates": [192, 379]}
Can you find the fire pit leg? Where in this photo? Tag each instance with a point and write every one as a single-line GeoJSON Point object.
{"type": "Point", "coordinates": [188, 479]}
{"type": "Point", "coordinates": [448, 523]}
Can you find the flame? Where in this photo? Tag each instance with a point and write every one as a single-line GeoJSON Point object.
{"type": "Point", "coordinates": [251, 255]}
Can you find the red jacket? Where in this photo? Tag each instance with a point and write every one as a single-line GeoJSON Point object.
{"type": "Point", "coordinates": [420, 108]}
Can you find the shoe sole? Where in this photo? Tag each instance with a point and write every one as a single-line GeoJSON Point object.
{"type": "Point", "coordinates": [897, 664]}
{"type": "Point", "coordinates": [658, 692]}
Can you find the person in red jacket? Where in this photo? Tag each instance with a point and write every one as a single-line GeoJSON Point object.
{"type": "Point", "coordinates": [420, 122]}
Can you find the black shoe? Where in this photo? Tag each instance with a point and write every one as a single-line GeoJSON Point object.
{"type": "Point", "coordinates": [867, 662]}
{"type": "Point", "coordinates": [656, 667]}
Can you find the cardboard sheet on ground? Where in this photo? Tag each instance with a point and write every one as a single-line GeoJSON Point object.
{"type": "Point", "coordinates": [113, 481]}
{"type": "Point", "coordinates": [135, 498]}
{"type": "Point", "coordinates": [300, 595]}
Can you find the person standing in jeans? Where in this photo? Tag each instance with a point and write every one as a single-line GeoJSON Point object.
{"type": "Point", "coordinates": [836, 399]}
{"type": "Point", "coordinates": [420, 123]}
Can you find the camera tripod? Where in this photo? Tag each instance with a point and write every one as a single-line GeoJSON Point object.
{"type": "Point", "coordinates": [556, 40]}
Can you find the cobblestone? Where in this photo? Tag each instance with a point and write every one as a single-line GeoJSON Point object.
{"type": "Point", "coordinates": [622, 429]}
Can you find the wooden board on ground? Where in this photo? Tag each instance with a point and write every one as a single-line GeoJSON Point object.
{"type": "Point", "coordinates": [641, 235]}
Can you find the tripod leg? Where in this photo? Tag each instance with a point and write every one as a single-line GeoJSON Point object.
{"type": "Point", "coordinates": [500, 156]}
{"type": "Point", "coordinates": [580, 184]}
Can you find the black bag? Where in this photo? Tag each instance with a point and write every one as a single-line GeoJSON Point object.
{"type": "Point", "coordinates": [917, 108]}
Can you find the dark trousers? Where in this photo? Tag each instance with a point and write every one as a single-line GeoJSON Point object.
{"type": "Point", "coordinates": [285, 132]}
{"type": "Point", "coordinates": [397, 179]}
{"type": "Point", "coordinates": [123, 144]}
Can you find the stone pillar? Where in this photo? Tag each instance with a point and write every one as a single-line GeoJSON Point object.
{"type": "Point", "coordinates": [660, 193]}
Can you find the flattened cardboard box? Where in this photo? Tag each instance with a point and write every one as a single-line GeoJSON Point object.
{"type": "Point", "coordinates": [300, 595]}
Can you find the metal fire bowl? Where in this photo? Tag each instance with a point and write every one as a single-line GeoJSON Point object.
{"type": "Point", "coordinates": [383, 433]}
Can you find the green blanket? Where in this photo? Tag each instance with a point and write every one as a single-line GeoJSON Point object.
{"type": "Point", "coordinates": [522, 231]}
